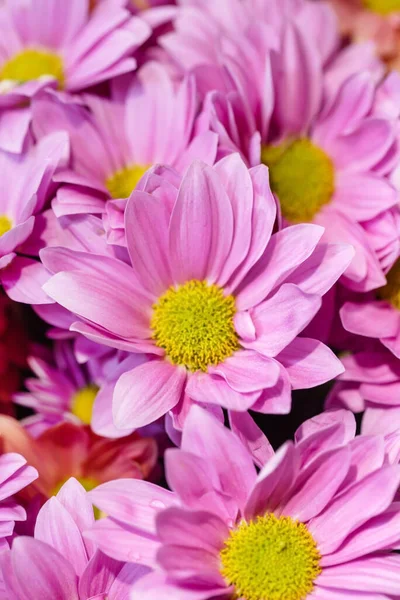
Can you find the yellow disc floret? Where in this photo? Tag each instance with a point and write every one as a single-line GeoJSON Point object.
{"type": "Point", "coordinates": [382, 7]}
{"type": "Point", "coordinates": [302, 177]}
{"type": "Point", "coordinates": [123, 182]}
{"type": "Point", "coordinates": [83, 401]}
{"type": "Point", "coordinates": [391, 291]}
{"type": "Point", "coordinates": [5, 224]}
{"type": "Point", "coordinates": [194, 325]}
{"type": "Point", "coordinates": [271, 558]}
{"type": "Point", "coordinates": [32, 64]}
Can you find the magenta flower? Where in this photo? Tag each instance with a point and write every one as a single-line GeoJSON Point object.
{"type": "Point", "coordinates": [110, 146]}
{"type": "Point", "coordinates": [15, 475]}
{"type": "Point", "coordinates": [212, 294]}
{"type": "Point", "coordinates": [66, 46]}
{"type": "Point", "coordinates": [26, 187]}
{"type": "Point", "coordinates": [285, 98]}
{"type": "Point", "coordinates": [64, 389]}
{"type": "Point", "coordinates": [299, 529]}
{"type": "Point", "coordinates": [58, 563]}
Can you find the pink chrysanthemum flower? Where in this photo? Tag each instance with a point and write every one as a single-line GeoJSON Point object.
{"type": "Point", "coordinates": [111, 148]}
{"type": "Point", "coordinates": [212, 295]}
{"type": "Point", "coordinates": [15, 475]}
{"type": "Point", "coordinates": [26, 187]}
{"type": "Point", "coordinates": [282, 95]}
{"type": "Point", "coordinates": [58, 563]}
{"type": "Point", "coordinates": [45, 43]}
{"type": "Point", "coordinates": [301, 528]}
{"type": "Point", "coordinates": [63, 388]}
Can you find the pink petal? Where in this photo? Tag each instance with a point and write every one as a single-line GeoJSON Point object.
{"type": "Point", "coordinates": [273, 482]}
{"type": "Point", "coordinates": [146, 226]}
{"type": "Point", "coordinates": [50, 575]}
{"type": "Point", "coordinates": [309, 363]}
{"type": "Point", "coordinates": [247, 371]}
{"type": "Point", "coordinates": [251, 436]}
{"type": "Point", "coordinates": [376, 574]}
{"type": "Point", "coordinates": [317, 484]}
{"type": "Point", "coordinates": [286, 250]}
{"type": "Point", "coordinates": [281, 318]}
{"type": "Point", "coordinates": [372, 319]}
{"type": "Point", "coordinates": [146, 393]}
{"type": "Point", "coordinates": [201, 226]}
{"type": "Point", "coordinates": [206, 437]}
{"type": "Point", "coordinates": [56, 527]}
{"type": "Point", "coordinates": [349, 510]}
{"type": "Point", "coordinates": [133, 501]}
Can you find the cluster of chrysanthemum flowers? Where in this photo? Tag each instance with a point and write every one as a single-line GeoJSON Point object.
{"type": "Point", "coordinates": [199, 216]}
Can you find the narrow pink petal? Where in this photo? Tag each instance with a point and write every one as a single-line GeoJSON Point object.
{"type": "Point", "coordinates": [132, 501]}
{"type": "Point", "coordinates": [350, 511]}
{"type": "Point", "coordinates": [146, 227]}
{"type": "Point", "coordinates": [201, 226]}
{"type": "Point", "coordinates": [146, 393]}
{"type": "Point", "coordinates": [281, 318]}
{"type": "Point", "coordinates": [317, 484]}
{"type": "Point", "coordinates": [206, 437]}
{"type": "Point", "coordinates": [382, 532]}
{"type": "Point", "coordinates": [50, 574]}
{"type": "Point", "coordinates": [309, 363]}
{"type": "Point", "coordinates": [213, 389]}
{"type": "Point", "coordinates": [273, 482]}
{"type": "Point", "coordinates": [247, 371]}
{"type": "Point", "coordinates": [372, 319]}
{"type": "Point", "coordinates": [100, 301]}
{"type": "Point", "coordinates": [251, 436]}
{"type": "Point", "coordinates": [23, 281]}
{"type": "Point", "coordinates": [376, 574]}
{"type": "Point", "coordinates": [56, 527]}
{"type": "Point", "coordinates": [192, 529]}
{"type": "Point", "coordinates": [123, 542]}
{"type": "Point", "coordinates": [286, 250]}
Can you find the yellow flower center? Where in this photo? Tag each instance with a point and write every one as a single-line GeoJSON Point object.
{"type": "Point", "coordinates": [5, 224]}
{"type": "Point", "coordinates": [391, 291]}
{"type": "Point", "coordinates": [270, 558]}
{"type": "Point", "coordinates": [123, 182]}
{"type": "Point", "coordinates": [302, 177]}
{"type": "Point", "coordinates": [31, 64]}
{"type": "Point", "coordinates": [194, 325]}
{"type": "Point", "coordinates": [83, 401]}
{"type": "Point", "coordinates": [382, 7]}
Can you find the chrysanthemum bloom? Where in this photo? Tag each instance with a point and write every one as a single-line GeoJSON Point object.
{"type": "Point", "coordinates": [375, 20]}
{"type": "Point", "coordinates": [58, 563]}
{"type": "Point", "coordinates": [15, 475]}
{"type": "Point", "coordinates": [111, 148]}
{"type": "Point", "coordinates": [63, 388]}
{"type": "Point", "coordinates": [301, 528]}
{"type": "Point", "coordinates": [331, 156]}
{"type": "Point", "coordinates": [67, 450]}
{"type": "Point", "coordinates": [26, 187]}
{"type": "Point", "coordinates": [205, 32]}
{"type": "Point", "coordinates": [67, 46]}
{"type": "Point", "coordinates": [212, 296]}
